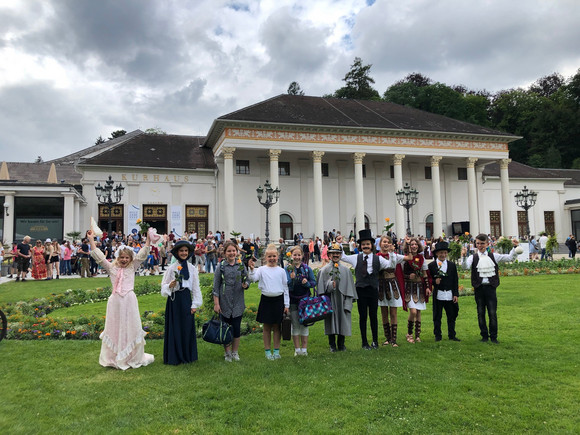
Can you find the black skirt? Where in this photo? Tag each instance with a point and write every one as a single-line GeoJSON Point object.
{"type": "Point", "coordinates": [271, 309]}
{"type": "Point", "coordinates": [179, 342]}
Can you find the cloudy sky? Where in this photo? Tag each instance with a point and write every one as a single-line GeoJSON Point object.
{"type": "Point", "coordinates": [71, 70]}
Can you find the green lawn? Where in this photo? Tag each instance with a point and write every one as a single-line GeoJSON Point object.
{"type": "Point", "coordinates": [527, 383]}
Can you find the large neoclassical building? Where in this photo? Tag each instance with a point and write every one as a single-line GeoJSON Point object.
{"type": "Point", "coordinates": [338, 164]}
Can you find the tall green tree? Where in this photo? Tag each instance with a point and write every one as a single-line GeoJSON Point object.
{"type": "Point", "coordinates": [358, 83]}
{"type": "Point", "coordinates": [295, 89]}
{"type": "Point", "coordinates": [117, 133]}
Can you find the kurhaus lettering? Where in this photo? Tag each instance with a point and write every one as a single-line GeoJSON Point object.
{"type": "Point", "coordinates": [155, 178]}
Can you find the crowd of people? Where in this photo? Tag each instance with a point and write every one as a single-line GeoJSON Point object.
{"type": "Point", "coordinates": [389, 273]}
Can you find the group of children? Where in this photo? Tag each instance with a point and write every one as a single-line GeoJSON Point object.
{"type": "Point", "coordinates": [385, 279]}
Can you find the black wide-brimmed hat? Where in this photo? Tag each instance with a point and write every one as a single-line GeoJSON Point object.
{"type": "Point", "coordinates": [365, 234]}
{"type": "Point", "coordinates": [180, 244]}
{"type": "Point", "coordinates": [441, 246]}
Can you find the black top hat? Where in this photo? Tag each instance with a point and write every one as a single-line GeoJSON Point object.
{"type": "Point", "coordinates": [441, 246]}
{"type": "Point", "coordinates": [365, 235]}
{"type": "Point", "coordinates": [180, 244]}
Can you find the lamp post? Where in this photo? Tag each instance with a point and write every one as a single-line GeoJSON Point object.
{"type": "Point", "coordinates": [272, 196]}
{"type": "Point", "coordinates": [109, 196]}
{"type": "Point", "coordinates": [526, 199]}
{"type": "Point", "coordinates": [407, 197]}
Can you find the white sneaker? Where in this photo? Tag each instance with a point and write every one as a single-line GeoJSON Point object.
{"type": "Point", "coordinates": [297, 352]}
{"type": "Point", "coordinates": [304, 352]}
{"type": "Point", "coordinates": [269, 356]}
{"type": "Point", "coordinates": [228, 357]}
{"type": "Point", "coordinates": [276, 356]}
{"type": "Point", "coordinates": [235, 356]}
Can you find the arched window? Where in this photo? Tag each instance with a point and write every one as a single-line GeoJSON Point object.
{"type": "Point", "coordinates": [429, 226]}
{"type": "Point", "coordinates": [286, 227]}
{"type": "Point", "coordinates": [367, 224]}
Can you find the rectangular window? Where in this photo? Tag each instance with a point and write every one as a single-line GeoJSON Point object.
{"type": "Point", "coordinates": [549, 225]}
{"type": "Point", "coordinates": [242, 167]}
{"type": "Point", "coordinates": [495, 223]}
{"type": "Point", "coordinates": [364, 168]}
{"type": "Point", "coordinates": [462, 173]}
{"type": "Point", "coordinates": [392, 169]}
{"type": "Point", "coordinates": [284, 168]}
{"type": "Point", "coordinates": [427, 172]}
{"type": "Point", "coordinates": [325, 169]}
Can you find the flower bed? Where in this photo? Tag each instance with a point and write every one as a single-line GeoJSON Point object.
{"type": "Point", "coordinates": [527, 268]}
{"type": "Point", "coordinates": [29, 320]}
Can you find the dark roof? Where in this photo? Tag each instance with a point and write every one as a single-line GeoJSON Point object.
{"type": "Point", "coordinates": [76, 156]}
{"type": "Point", "coordinates": [37, 173]}
{"type": "Point", "coordinates": [157, 151]}
{"type": "Point", "coordinates": [338, 112]}
{"type": "Point", "coordinates": [519, 170]}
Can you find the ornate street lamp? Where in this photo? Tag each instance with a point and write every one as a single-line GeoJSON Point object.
{"type": "Point", "coordinates": [526, 199]}
{"type": "Point", "coordinates": [272, 196]}
{"type": "Point", "coordinates": [109, 196]}
{"type": "Point", "coordinates": [407, 197]}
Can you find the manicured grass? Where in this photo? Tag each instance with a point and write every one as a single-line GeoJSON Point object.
{"type": "Point", "coordinates": [527, 383]}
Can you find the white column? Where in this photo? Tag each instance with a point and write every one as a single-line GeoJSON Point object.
{"type": "Point", "coordinates": [77, 218]}
{"type": "Point", "coordinates": [229, 188]}
{"type": "Point", "coordinates": [9, 217]}
{"type": "Point", "coordinates": [506, 204]}
{"type": "Point", "coordinates": [318, 208]}
{"type": "Point", "coordinates": [472, 196]}
{"type": "Point", "coordinates": [342, 200]}
{"type": "Point", "coordinates": [275, 209]}
{"type": "Point", "coordinates": [436, 183]}
{"type": "Point", "coordinates": [399, 211]}
{"type": "Point", "coordinates": [359, 191]}
{"type": "Point", "coordinates": [68, 220]}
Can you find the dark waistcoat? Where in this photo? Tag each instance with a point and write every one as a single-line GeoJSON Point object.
{"type": "Point", "coordinates": [364, 280]}
{"type": "Point", "coordinates": [476, 280]}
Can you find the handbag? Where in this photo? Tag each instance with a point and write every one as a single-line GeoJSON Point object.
{"type": "Point", "coordinates": [217, 332]}
{"type": "Point", "coordinates": [286, 328]}
{"type": "Point", "coordinates": [311, 309]}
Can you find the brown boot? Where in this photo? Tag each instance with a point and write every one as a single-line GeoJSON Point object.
{"type": "Point", "coordinates": [410, 331]}
{"type": "Point", "coordinates": [417, 331]}
{"type": "Point", "coordinates": [394, 335]}
{"type": "Point", "coordinates": [387, 329]}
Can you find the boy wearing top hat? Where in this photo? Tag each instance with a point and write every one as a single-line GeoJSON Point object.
{"type": "Point", "coordinates": [445, 291]}
{"type": "Point", "coordinates": [367, 266]}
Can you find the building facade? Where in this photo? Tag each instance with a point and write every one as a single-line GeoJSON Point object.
{"type": "Point", "coordinates": [338, 164]}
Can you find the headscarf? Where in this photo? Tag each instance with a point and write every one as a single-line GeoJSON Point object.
{"type": "Point", "coordinates": [184, 272]}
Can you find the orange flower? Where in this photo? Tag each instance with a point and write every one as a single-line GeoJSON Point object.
{"type": "Point", "coordinates": [138, 221]}
{"type": "Point", "coordinates": [439, 264]}
{"type": "Point", "coordinates": [387, 220]}
{"type": "Point", "coordinates": [48, 333]}
{"type": "Point", "coordinates": [417, 259]}
{"type": "Point", "coordinates": [252, 248]}
{"type": "Point", "coordinates": [288, 254]}
{"type": "Point", "coordinates": [179, 267]}
{"type": "Point", "coordinates": [335, 264]}
{"type": "Point", "coordinates": [467, 233]}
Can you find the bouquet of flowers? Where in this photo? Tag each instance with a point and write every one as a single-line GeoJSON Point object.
{"type": "Point", "coordinates": [388, 225]}
{"type": "Point", "coordinates": [144, 226]}
{"type": "Point", "coordinates": [335, 273]}
{"type": "Point", "coordinates": [289, 259]}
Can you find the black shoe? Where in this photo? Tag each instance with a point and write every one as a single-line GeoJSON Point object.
{"type": "Point", "coordinates": [23, 279]}
{"type": "Point", "coordinates": [58, 277]}
{"type": "Point", "coordinates": [9, 276]}
{"type": "Point", "coordinates": [17, 278]}
{"type": "Point", "coordinates": [366, 347]}
{"type": "Point", "coordinates": [494, 341]}
{"type": "Point", "coordinates": [437, 338]}
{"type": "Point", "coordinates": [332, 349]}
{"type": "Point", "coordinates": [342, 348]}
{"type": "Point", "coordinates": [374, 345]}
{"type": "Point", "coordinates": [484, 340]}
{"type": "Point", "coordinates": [454, 339]}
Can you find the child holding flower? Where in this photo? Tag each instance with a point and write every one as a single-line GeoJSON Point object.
{"type": "Point", "coordinates": [275, 300]}
{"type": "Point", "coordinates": [229, 283]}
{"type": "Point", "coordinates": [300, 280]}
{"type": "Point", "coordinates": [180, 285]}
{"type": "Point", "coordinates": [123, 339]}
{"type": "Point", "coordinates": [445, 291]}
{"type": "Point", "coordinates": [336, 280]}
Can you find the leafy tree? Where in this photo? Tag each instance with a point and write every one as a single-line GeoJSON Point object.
{"type": "Point", "coordinates": [358, 83]}
{"type": "Point", "coordinates": [295, 89]}
{"type": "Point", "coordinates": [117, 133]}
{"type": "Point", "coordinates": [418, 79]}
{"type": "Point", "coordinates": [155, 131]}
{"type": "Point", "coordinates": [548, 85]}
{"type": "Point", "coordinates": [99, 140]}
